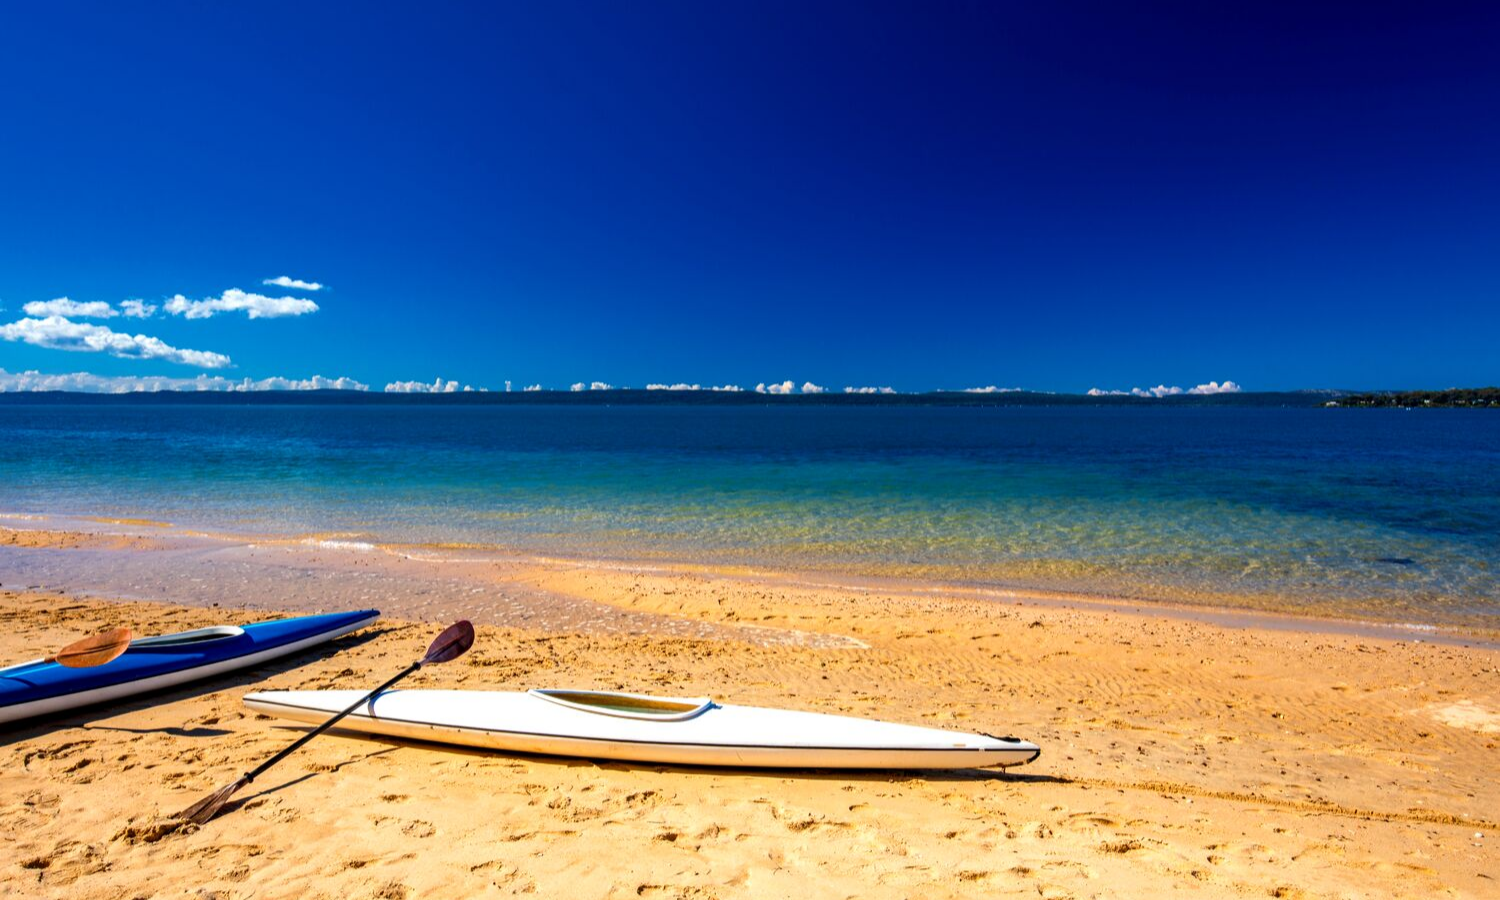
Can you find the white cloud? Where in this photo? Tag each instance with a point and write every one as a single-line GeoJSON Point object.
{"type": "Point", "coordinates": [62, 306]}
{"type": "Point", "coordinates": [257, 306]}
{"type": "Point", "coordinates": [137, 309]}
{"type": "Point", "coordinates": [869, 390]}
{"type": "Point", "coordinates": [786, 387]}
{"type": "Point", "coordinates": [1157, 392]}
{"type": "Point", "coordinates": [58, 333]}
{"type": "Point", "coordinates": [1161, 390]}
{"type": "Point", "coordinates": [1213, 387]}
{"type": "Point", "coordinates": [592, 386]}
{"type": "Point", "coordinates": [127, 384]}
{"type": "Point", "coordinates": [438, 386]}
{"type": "Point", "coordinates": [810, 388]}
{"type": "Point", "coordinates": [295, 283]}
{"type": "Point", "coordinates": [991, 389]}
{"type": "Point", "coordinates": [315, 383]}
{"type": "Point", "coordinates": [531, 387]}
{"type": "Point", "coordinates": [681, 386]}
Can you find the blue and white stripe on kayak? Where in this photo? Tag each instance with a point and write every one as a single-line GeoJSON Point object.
{"type": "Point", "coordinates": [151, 664]}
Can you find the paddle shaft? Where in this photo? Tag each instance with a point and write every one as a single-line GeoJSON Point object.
{"type": "Point", "coordinates": [258, 770]}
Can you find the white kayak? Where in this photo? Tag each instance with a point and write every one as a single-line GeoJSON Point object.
{"type": "Point", "coordinates": [640, 728]}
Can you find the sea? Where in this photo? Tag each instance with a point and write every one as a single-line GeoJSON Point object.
{"type": "Point", "coordinates": [1382, 515]}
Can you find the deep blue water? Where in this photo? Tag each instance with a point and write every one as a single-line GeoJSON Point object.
{"type": "Point", "coordinates": [1391, 514]}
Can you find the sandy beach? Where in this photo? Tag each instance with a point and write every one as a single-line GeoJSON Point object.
{"type": "Point", "coordinates": [1178, 756]}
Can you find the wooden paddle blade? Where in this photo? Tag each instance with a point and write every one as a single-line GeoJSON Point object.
{"type": "Point", "coordinates": [454, 642]}
{"type": "Point", "coordinates": [96, 650]}
{"type": "Point", "coordinates": [199, 813]}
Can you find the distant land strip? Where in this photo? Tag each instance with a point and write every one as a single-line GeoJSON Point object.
{"type": "Point", "coordinates": [1486, 397]}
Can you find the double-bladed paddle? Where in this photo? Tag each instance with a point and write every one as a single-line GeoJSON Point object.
{"type": "Point", "coordinates": [93, 651]}
{"type": "Point", "coordinates": [455, 640]}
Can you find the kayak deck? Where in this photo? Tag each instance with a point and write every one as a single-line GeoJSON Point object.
{"type": "Point", "coordinates": [677, 731]}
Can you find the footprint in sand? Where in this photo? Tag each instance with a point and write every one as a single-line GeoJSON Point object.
{"type": "Point", "coordinates": [393, 890]}
{"type": "Point", "coordinates": [505, 875]}
{"type": "Point", "coordinates": [68, 861]}
{"type": "Point", "coordinates": [1121, 847]}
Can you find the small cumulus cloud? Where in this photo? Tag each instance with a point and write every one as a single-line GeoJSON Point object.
{"type": "Point", "coordinates": [88, 382]}
{"type": "Point", "coordinates": [294, 283]}
{"type": "Point", "coordinates": [683, 386]}
{"type": "Point", "coordinates": [315, 383]}
{"type": "Point", "coordinates": [591, 386]}
{"type": "Point", "coordinates": [869, 390]}
{"type": "Point", "coordinates": [256, 306]}
{"type": "Point", "coordinates": [1214, 387]}
{"type": "Point", "coordinates": [62, 306]}
{"type": "Point", "coordinates": [810, 388]}
{"type": "Point", "coordinates": [992, 389]}
{"type": "Point", "coordinates": [439, 386]}
{"type": "Point", "coordinates": [1162, 390]}
{"type": "Point", "coordinates": [137, 309]}
{"type": "Point", "coordinates": [531, 387]}
{"type": "Point", "coordinates": [58, 333]}
{"type": "Point", "coordinates": [1157, 392]}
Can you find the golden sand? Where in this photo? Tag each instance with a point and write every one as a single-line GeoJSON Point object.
{"type": "Point", "coordinates": [1178, 757]}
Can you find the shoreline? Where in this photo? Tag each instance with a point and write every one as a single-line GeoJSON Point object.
{"type": "Point", "coordinates": [138, 533]}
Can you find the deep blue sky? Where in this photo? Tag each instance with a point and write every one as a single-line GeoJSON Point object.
{"type": "Point", "coordinates": [1055, 196]}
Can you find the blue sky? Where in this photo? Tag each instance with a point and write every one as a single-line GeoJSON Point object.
{"type": "Point", "coordinates": [1051, 196]}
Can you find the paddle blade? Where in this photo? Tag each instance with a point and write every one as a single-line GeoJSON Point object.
{"type": "Point", "coordinates": [454, 642]}
{"type": "Point", "coordinates": [96, 650]}
{"type": "Point", "coordinates": [199, 813]}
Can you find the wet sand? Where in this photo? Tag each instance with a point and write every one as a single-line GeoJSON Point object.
{"type": "Point", "coordinates": [1179, 755]}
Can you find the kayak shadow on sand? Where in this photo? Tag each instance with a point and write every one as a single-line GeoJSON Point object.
{"type": "Point", "coordinates": [84, 718]}
{"type": "Point", "coordinates": [873, 776]}
{"type": "Point", "coordinates": [175, 732]}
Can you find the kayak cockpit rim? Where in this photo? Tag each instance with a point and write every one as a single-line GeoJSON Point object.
{"type": "Point", "coordinates": [627, 706]}
{"type": "Point", "coordinates": [181, 639]}
{"type": "Point", "coordinates": [196, 636]}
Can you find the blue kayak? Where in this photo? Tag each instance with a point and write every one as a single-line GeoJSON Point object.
{"type": "Point", "coordinates": [150, 664]}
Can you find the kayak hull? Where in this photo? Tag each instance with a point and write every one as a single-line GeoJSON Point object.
{"type": "Point", "coordinates": [34, 690]}
{"type": "Point", "coordinates": [723, 736]}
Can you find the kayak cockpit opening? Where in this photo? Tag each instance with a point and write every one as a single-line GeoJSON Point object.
{"type": "Point", "coordinates": [196, 636]}
{"type": "Point", "coordinates": [629, 706]}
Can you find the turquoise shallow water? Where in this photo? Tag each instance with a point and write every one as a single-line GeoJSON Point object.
{"type": "Point", "coordinates": [1386, 514]}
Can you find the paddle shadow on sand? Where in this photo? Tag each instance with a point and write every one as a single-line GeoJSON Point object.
{"type": "Point", "coordinates": [255, 799]}
{"type": "Point", "coordinates": [82, 718]}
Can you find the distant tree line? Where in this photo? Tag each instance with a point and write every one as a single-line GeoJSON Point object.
{"type": "Point", "coordinates": [1486, 396]}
